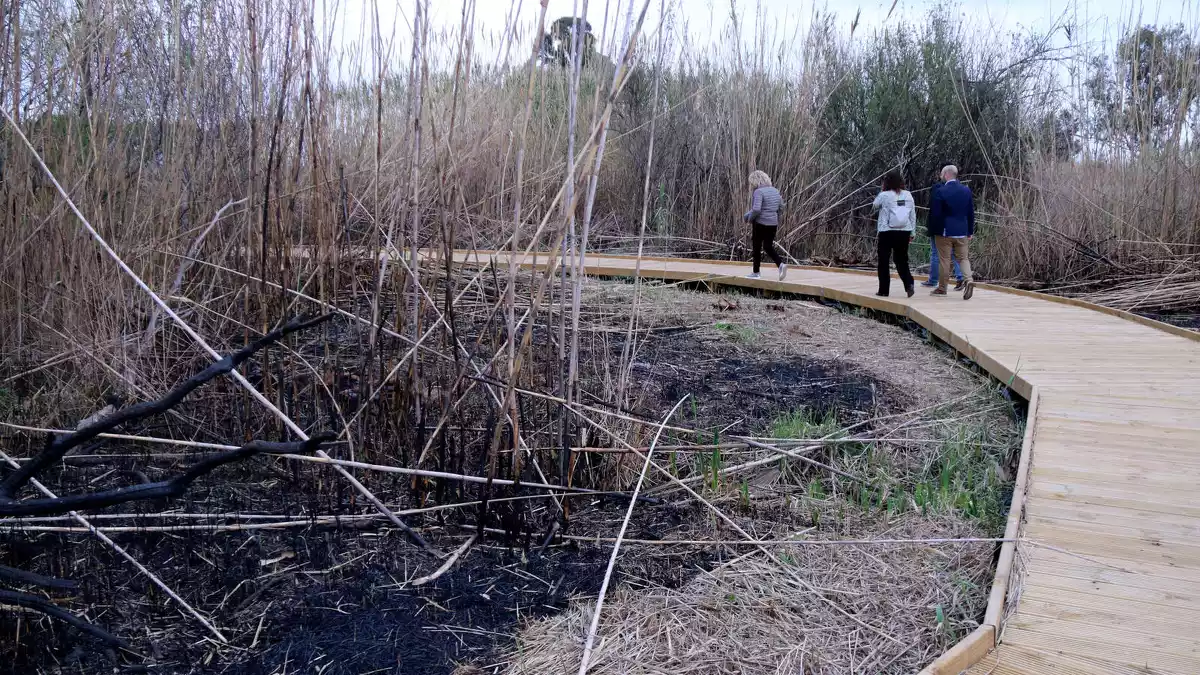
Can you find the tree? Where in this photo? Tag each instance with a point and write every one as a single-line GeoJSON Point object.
{"type": "Point", "coordinates": [914, 98]}
{"type": "Point", "coordinates": [558, 45]}
{"type": "Point", "coordinates": [1145, 95]}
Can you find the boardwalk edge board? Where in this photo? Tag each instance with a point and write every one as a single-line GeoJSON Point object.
{"type": "Point", "coordinates": [975, 646]}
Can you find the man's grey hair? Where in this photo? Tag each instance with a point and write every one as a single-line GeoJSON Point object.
{"type": "Point", "coordinates": [949, 171]}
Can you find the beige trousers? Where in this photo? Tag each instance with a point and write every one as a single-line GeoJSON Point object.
{"type": "Point", "coordinates": [947, 246]}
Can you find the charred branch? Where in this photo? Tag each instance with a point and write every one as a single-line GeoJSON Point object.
{"type": "Point", "coordinates": [12, 575]}
{"type": "Point", "coordinates": [167, 489]}
{"type": "Point", "coordinates": [59, 446]}
{"type": "Point", "coordinates": [50, 609]}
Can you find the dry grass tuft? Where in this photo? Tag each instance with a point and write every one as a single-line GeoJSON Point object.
{"type": "Point", "coordinates": [752, 616]}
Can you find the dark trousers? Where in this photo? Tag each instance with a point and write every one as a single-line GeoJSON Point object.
{"type": "Point", "coordinates": [764, 236]}
{"type": "Point", "coordinates": [894, 245]}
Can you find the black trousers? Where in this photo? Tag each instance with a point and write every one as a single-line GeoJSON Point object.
{"type": "Point", "coordinates": [764, 236]}
{"type": "Point", "coordinates": [893, 244]}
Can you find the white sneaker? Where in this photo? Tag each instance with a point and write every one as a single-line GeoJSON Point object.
{"type": "Point", "coordinates": [782, 272]}
{"type": "Point", "coordinates": [754, 275]}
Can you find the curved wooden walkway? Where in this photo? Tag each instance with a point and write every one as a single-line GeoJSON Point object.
{"type": "Point", "coordinates": [1109, 567]}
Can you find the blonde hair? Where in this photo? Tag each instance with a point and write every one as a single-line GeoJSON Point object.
{"type": "Point", "coordinates": [759, 179]}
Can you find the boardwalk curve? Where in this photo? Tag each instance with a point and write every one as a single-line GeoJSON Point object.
{"type": "Point", "coordinates": [1105, 501]}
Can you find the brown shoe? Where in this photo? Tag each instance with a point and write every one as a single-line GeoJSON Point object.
{"type": "Point", "coordinates": [969, 290]}
{"type": "Point", "coordinates": [960, 285]}
{"type": "Point", "coordinates": [938, 291]}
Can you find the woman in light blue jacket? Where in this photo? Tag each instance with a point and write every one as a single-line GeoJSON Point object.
{"type": "Point", "coordinates": [897, 222]}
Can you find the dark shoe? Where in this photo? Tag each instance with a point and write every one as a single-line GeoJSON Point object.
{"type": "Point", "coordinates": [882, 295]}
{"type": "Point", "coordinates": [960, 285]}
{"type": "Point", "coordinates": [938, 291]}
{"type": "Point", "coordinates": [969, 290]}
{"type": "Point", "coordinates": [910, 290]}
{"type": "Point", "coordinates": [929, 284]}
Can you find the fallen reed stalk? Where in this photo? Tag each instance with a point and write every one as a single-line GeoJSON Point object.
{"type": "Point", "coordinates": [612, 560]}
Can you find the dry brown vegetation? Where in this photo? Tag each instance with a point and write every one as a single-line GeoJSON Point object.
{"type": "Point", "coordinates": [229, 165]}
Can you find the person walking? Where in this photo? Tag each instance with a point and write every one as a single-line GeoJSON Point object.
{"type": "Point", "coordinates": [934, 263]}
{"type": "Point", "coordinates": [897, 222]}
{"type": "Point", "coordinates": [951, 226]}
{"type": "Point", "coordinates": [765, 205]}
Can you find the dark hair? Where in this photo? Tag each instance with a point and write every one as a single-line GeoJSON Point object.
{"type": "Point", "coordinates": [893, 180]}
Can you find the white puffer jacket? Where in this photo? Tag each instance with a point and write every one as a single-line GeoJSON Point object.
{"type": "Point", "coordinates": [897, 212]}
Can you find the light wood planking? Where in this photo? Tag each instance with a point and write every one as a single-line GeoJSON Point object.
{"type": "Point", "coordinates": [1110, 557]}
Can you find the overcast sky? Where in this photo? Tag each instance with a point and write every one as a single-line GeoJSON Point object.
{"type": "Point", "coordinates": [706, 19]}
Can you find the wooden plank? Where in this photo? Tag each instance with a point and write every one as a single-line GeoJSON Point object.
{"type": "Point", "coordinates": [1112, 495]}
{"type": "Point", "coordinates": [1170, 525]}
{"type": "Point", "coordinates": [1159, 420]}
{"type": "Point", "coordinates": [1132, 442]}
{"type": "Point", "coordinates": [1114, 546]}
{"type": "Point", "coordinates": [1071, 637]}
{"type": "Point", "coordinates": [1012, 660]}
{"type": "Point", "coordinates": [1086, 607]}
{"type": "Point", "coordinates": [1116, 453]}
{"type": "Point", "coordinates": [1108, 532]}
{"type": "Point", "coordinates": [1072, 648]}
{"type": "Point", "coordinates": [965, 654]}
{"type": "Point", "coordinates": [1161, 479]}
{"type": "Point", "coordinates": [1139, 574]}
{"type": "Point", "coordinates": [1046, 581]}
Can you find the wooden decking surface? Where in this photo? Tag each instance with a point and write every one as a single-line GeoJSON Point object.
{"type": "Point", "coordinates": [1110, 565]}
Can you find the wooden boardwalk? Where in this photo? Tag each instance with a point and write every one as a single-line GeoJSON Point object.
{"type": "Point", "coordinates": [1108, 574]}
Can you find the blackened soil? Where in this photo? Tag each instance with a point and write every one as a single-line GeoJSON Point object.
{"type": "Point", "coordinates": [367, 623]}
{"type": "Point", "coordinates": [742, 391]}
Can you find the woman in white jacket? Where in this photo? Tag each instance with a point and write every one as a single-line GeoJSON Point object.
{"type": "Point", "coordinates": [897, 222]}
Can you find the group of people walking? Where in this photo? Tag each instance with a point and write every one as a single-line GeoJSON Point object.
{"type": "Point", "coordinates": [950, 224]}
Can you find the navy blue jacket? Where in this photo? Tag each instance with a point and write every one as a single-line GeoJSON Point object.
{"type": "Point", "coordinates": [951, 211]}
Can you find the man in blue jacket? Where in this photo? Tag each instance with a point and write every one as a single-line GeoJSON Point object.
{"type": "Point", "coordinates": [934, 265]}
{"type": "Point", "coordinates": [951, 226]}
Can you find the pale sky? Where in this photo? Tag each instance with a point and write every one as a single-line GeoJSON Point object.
{"type": "Point", "coordinates": [707, 19]}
